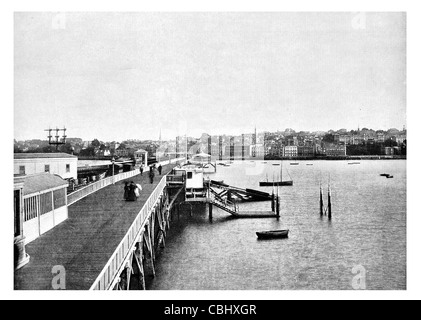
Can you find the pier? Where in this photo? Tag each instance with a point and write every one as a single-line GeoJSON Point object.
{"type": "Point", "coordinates": [221, 196]}
{"type": "Point", "coordinates": [107, 243]}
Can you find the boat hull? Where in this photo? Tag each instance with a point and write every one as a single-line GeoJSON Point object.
{"type": "Point", "coordinates": [276, 234]}
{"type": "Point", "coordinates": [276, 184]}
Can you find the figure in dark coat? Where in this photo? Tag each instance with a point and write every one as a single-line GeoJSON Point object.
{"type": "Point", "coordinates": [132, 194]}
{"type": "Point", "coordinates": [126, 190]}
{"type": "Point", "coordinates": [160, 169]}
{"type": "Point", "coordinates": [151, 174]}
{"type": "Point", "coordinates": [141, 170]}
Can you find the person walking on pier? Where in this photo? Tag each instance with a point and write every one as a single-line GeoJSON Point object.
{"type": "Point", "coordinates": [141, 169]}
{"type": "Point", "coordinates": [126, 190]}
{"type": "Point", "coordinates": [160, 169]}
{"type": "Point", "coordinates": [132, 192]}
{"type": "Point", "coordinates": [151, 174]}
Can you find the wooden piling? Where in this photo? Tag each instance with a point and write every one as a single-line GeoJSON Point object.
{"type": "Point", "coordinates": [329, 205]}
{"type": "Point", "coordinates": [210, 211]}
{"type": "Point", "coordinates": [273, 202]}
{"type": "Point", "coordinates": [321, 202]}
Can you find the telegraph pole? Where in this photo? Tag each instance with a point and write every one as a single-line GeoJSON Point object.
{"type": "Point", "coordinates": [60, 139]}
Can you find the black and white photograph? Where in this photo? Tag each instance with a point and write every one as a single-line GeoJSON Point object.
{"type": "Point", "coordinates": [210, 151]}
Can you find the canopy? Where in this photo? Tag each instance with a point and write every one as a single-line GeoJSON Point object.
{"type": "Point", "coordinates": [202, 155]}
{"type": "Point", "coordinates": [42, 182]}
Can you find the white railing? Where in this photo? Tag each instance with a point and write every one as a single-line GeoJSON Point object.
{"type": "Point", "coordinates": [91, 188]}
{"type": "Point", "coordinates": [108, 276]}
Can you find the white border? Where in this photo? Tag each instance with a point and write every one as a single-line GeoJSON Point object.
{"type": "Point", "coordinates": [414, 215]}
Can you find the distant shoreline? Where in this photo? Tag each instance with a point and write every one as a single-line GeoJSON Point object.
{"type": "Point", "coordinates": [351, 158]}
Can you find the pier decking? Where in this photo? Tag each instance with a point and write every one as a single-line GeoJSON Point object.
{"type": "Point", "coordinates": [85, 242]}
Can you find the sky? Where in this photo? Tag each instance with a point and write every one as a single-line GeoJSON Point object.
{"type": "Point", "coordinates": [117, 76]}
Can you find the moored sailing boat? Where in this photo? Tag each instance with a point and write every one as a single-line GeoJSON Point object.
{"type": "Point", "coordinates": [274, 183]}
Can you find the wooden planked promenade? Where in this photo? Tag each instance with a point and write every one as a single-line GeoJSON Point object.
{"type": "Point", "coordinates": [84, 243]}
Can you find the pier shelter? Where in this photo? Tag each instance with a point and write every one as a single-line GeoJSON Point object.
{"type": "Point", "coordinates": [20, 256]}
{"type": "Point", "coordinates": [141, 158]}
{"type": "Point", "coordinates": [44, 204]}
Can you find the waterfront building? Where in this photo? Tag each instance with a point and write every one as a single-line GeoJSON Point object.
{"type": "Point", "coordinates": [290, 151]}
{"type": "Point", "coordinates": [345, 139]}
{"type": "Point", "coordinates": [401, 138]}
{"type": "Point", "coordinates": [380, 137]}
{"type": "Point", "coordinates": [333, 150]}
{"type": "Point", "coordinates": [61, 164]}
{"type": "Point", "coordinates": [388, 151]}
{"type": "Point", "coordinates": [236, 151]}
{"type": "Point", "coordinates": [306, 151]}
{"type": "Point", "coordinates": [257, 151]}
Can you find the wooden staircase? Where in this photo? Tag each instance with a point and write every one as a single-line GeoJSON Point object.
{"type": "Point", "coordinates": [224, 204]}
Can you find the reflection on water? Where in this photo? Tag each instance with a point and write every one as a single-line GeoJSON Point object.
{"type": "Point", "coordinates": [368, 229]}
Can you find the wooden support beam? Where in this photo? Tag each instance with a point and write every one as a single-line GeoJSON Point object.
{"type": "Point", "coordinates": [210, 211]}
{"type": "Point", "coordinates": [138, 261]}
{"type": "Point", "coordinates": [129, 271]}
{"type": "Point", "coordinates": [148, 256]}
{"type": "Point", "coordinates": [152, 234]}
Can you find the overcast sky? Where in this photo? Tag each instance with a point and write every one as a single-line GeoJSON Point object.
{"type": "Point", "coordinates": [126, 75]}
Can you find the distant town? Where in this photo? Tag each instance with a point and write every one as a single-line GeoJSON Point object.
{"type": "Point", "coordinates": [270, 145]}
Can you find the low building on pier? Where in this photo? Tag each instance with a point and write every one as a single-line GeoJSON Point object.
{"type": "Point", "coordinates": [62, 164]}
{"type": "Point", "coordinates": [44, 205]}
{"type": "Point", "coordinates": [20, 256]}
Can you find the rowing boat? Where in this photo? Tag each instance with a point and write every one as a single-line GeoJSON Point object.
{"type": "Point", "coordinates": [274, 234]}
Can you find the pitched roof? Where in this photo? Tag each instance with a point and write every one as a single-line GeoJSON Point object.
{"type": "Point", "coordinates": [43, 155]}
{"type": "Point", "coordinates": [42, 181]}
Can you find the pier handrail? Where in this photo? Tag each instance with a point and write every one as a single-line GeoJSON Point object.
{"type": "Point", "coordinates": [112, 269]}
{"type": "Point", "coordinates": [91, 188]}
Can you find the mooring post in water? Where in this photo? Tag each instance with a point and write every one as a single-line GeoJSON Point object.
{"type": "Point", "coordinates": [321, 201]}
{"type": "Point", "coordinates": [329, 204]}
{"type": "Point", "coordinates": [278, 207]}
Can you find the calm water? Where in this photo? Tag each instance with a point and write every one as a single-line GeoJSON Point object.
{"type": "Point", "coordinates": [368, 229]}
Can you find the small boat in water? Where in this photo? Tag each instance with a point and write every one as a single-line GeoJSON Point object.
{"type": "Point", "coordinates": [276, 164]}
{"type": "Point", "coordinates": [274, 234]}
{"type": "Point", "coordinates": [352, 163]}
{"type": "Point", "coordinates": [294, 164]}
{"type": "Point", "coordinates": [276, 183]}
{"type": "Point", "coordinates": [388, 176]}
